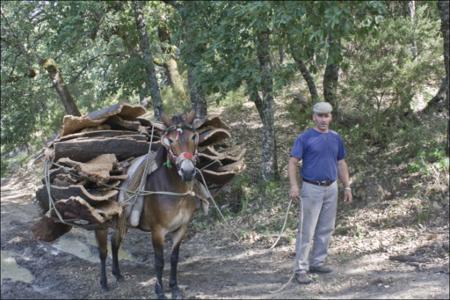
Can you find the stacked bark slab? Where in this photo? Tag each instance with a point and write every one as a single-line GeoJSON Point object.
{"type": "Point", "coordinates": [89, 160]}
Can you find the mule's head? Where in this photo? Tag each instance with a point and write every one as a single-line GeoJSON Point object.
{"type": "Point", "coordinates": [181, 141]}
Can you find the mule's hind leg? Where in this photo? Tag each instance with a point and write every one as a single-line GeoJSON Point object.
{"type": "Point", "coordinates": [176, 238]}
{"type": "Point", "coordinates": [102, 240]}
{"type": "Point", "coordinates": [116, 240]}
{"type": "Point", "coordinates": [158, 248]}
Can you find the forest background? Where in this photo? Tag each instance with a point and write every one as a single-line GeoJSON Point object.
{"type": "Point", "coordinates": [383, 65]}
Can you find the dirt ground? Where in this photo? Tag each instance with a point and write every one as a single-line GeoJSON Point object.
{"type": "Point", "coordinates": [212, 264]}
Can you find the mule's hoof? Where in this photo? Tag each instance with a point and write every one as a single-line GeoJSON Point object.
{"type": "Point", "coordinates": [105, 287]}
{"type": "Point", "coordinates": [177, 295]}
{"type": "Point", "coordinates": [120, 277]}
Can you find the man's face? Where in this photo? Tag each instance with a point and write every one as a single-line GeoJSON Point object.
{"type": "Point", "coordinates": [322, 121]}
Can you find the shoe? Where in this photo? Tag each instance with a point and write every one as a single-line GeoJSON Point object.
{"type": "Point", "coordinates": [320, 269]}
{"type": "Point", "coordinates": [303, 278]}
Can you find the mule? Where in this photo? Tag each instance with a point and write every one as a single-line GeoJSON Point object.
{"type": "Point", "coordinates": [163, 214]}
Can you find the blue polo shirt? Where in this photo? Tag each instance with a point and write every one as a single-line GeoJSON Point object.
{"type": "Point", "coordinates": [320, 153]}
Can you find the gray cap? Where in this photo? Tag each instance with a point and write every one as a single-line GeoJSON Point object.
{"type": "Point", "coordinates": [322, 108]}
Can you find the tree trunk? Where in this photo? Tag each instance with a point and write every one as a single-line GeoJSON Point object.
{"type": "Point", "coordinates": [196, 91]}
{"type": "Point", "coordinates": [306, 75]}
{"type": "Point", "coordinates": [440, 100]}
{"type": "Point", "coordinates": [197, 97]}
{"type": "Point", "coordinates": [144, 44]}
{"type": "Point", "coordinates": [331, 76]}
{"type": "Point", "coordinates": [281, 54]}
{"type": "Point", "coordinates": [269, 164]}
{"type": "Point", "coordinates": [170, 65]}
{"type": "Point", "coordinates": [61, 88]}
{"type": "Point", "coordinates": [412, 16]}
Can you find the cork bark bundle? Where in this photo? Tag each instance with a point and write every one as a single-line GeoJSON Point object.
{"type": "Point", "coordinates": [91, 157]}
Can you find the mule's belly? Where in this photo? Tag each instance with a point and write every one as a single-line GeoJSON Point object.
{"type": "Point", "coordinates": [182, 217]}
{"type": "Point", "coordinates": [169, 215]}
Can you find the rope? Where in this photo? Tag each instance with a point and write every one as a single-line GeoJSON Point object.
{"type": "Point", "coordinates": [51, 203]}
{"type": "Point", "coordinates": [276, 242]}
{"type": "Point", "coordinates": [213, 162]}
{"type": "Point", "coordinates": [284, 285]}
{"type": "Point", "coordinates": [284, 225]}
{"type": "Point", "coordinates": [216, 206]}
{"type": "Point", "coordinates": [144, 175]}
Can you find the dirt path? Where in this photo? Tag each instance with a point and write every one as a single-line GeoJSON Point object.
{"type": "Point", "coordinates": [211, 265]}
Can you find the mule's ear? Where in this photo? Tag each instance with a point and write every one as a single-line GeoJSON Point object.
{"type": "Point", "coordinates": [166, 120]}
{"type": "Point", "coordinates": [190, 117]}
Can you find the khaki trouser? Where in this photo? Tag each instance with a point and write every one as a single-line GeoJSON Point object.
{"type": "Point", "coordinates": [318, 205]}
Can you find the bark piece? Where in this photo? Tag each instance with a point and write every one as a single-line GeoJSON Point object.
{"type": "Point", "coordinates": [53, 173]}
{"type": "Point", "coordinates": [108, 209]}
{"type": "Point", "coordinates": [218, 178]}
{"type": "Point", "coordinates": [78, 208]}
{"type": "Point", "coordinates": [213, 136]}
{"type": "Point", "coordinates": [85, 150]}
{"type": "Point", "coordinates": [58, 193]}
{"type": "Point", "coordinates": [235, 167]}
{"type": "Point", "coordinates": [117, 122]}
{"type": "Point", "coordinates": [73, 124]}
{"type": "Point", "coordinates": [66, 180]}
{"type": "Point", "coordinates": [209, 162]}
{"type": "Point", "coordinates": [159, 126]}
{"type": "Point", "coordinates": [97, 133]}
{"type": "Point", "coordinates": [213, 121]}
{"type": "Point", "coordinates": [229, 156]}
{"type": "Point", "coordinates": [96, 128]}
{"type": "Point", "coordinates": [48, 230]}
{"type": "Point", "coordinates": [124, 110]}
{"type": "Point", "coordinates": [96, 169]}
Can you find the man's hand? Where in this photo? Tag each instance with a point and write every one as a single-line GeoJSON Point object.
{"type": "Point", "coordinates": [348, 197]}
{"type": "Point", "coordinates": [294, 193]}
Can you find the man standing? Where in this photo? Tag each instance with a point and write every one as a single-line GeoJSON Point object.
{"type": "Point", "coordinates": [322, 151]}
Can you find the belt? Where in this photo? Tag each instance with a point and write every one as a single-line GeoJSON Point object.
{"type": "Point", "coordinates": [319, 182]}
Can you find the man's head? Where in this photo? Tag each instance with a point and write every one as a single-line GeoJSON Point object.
{"type": "Point", "coordinates": [322, 115]}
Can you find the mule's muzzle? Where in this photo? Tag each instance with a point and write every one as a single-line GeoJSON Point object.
{"type": "Point", "coordinates": [186, 169]}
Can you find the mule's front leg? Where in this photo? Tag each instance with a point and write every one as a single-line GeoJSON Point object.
{"type": "Point", "coordinates": [116, 240]}
{"type": "Point", "coordinates": [102, 240]}
{"type": "Point", "coordinates": [177, 237]}
{"type": "Point", "coordinates": [158, 248]}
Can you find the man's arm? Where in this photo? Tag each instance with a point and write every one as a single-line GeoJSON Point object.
{"type": "Point", "coordinates": [345, 178]}
{"type": "Point", "coordinates": [292, 173]}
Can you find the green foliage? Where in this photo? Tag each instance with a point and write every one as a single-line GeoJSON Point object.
{"type": "Point", "coordinates": [94, 45]}
{"type": "Point", "coordinates": [384, 76]}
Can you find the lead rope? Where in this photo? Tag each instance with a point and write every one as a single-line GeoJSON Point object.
{"type": "Point", "coordinates": [284, 225]}
{"type": "Point", "coordinates": [216, 206]}
{"type": "Point", "coordinates": [276, 242]}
